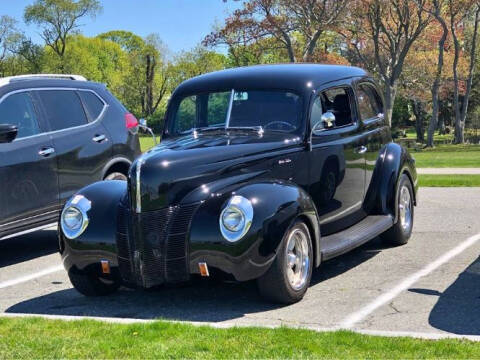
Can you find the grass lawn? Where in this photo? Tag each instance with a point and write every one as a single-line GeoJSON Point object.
{"type": "Point", "coordinates": [449, 180]}
{"type": "Point", "coordinates": [39, 338]}
{"type": "Point", "coordinates": [146, 142]}
{"type": "Point", "coordinates": [448, 156]}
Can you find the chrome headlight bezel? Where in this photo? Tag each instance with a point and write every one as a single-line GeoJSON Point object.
{"type": "Point", "coordinates": [81, 204]}
{"type": "Point", "coordinates": [242, 206]}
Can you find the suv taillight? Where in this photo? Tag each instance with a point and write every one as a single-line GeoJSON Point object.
{"type": "Point", "coordinates": [130, 121]}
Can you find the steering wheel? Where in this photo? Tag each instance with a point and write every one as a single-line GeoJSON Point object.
{"type": "Point", "coordinates": [281, 123]}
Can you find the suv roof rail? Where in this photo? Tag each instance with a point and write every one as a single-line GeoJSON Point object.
{"type": "Point", "coordinates": [10, 79]}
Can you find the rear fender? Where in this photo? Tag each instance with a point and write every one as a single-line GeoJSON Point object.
{"type": "Point", "coordinates": [393, 161]}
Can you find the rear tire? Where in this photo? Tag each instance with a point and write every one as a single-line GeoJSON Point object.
{"type": "Point", "coordinates": [116, 176]}
{"type": "Point", "coordinates": [289, 276]}
{"type": "Point", "coordinates": [400, 233]}
{"type": "Point", "coordinates": [92, 285]}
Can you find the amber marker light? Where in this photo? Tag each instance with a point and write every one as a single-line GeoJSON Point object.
{"type": "Point", "coordinates": [203, 269]}
{"type": "Point", "coordinates": [105, 266]}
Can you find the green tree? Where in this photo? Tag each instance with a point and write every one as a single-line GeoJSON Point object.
{"type": "Point", "coordinates": [198, 61]}
{"type": "Point", "coordinates": [9, 35]}
{"type": "Point", "coordinates": [58, 19]}
{"type": "Point", "coordinates": [148, 81]}
{"type": "Point", "coordinates": [95, 58]}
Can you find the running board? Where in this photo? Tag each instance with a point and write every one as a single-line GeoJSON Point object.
{"type": "Point", "coordinates": [354, 236]}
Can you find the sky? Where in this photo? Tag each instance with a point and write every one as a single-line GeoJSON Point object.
{"type": "Point", "coordinates": [181, 24]}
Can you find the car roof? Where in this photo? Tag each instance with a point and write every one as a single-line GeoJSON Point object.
{"type": "Point", "coordinates": [27, 82]}
{"type": "Point", "coordinates": [297, 77]}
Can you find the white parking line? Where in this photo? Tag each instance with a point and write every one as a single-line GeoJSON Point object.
{"type": "Point", "coordinates": [385, 298]}
{"type": "Point", "coordinates": [26, 278]}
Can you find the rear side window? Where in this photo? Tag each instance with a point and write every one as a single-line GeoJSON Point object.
{"type": "Point", "coordinates": [92, 103]}
{"type": "Point", "coordinates": [369, 103]}
{"type": "Point", "coordinates": [63, 109]}
{"type": "Point", "coordinates": [18, 110]}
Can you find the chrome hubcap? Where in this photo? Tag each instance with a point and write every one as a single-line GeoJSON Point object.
{"type": "Point", "coordinates": [405, 208]}
{"type": "Point", "coordinates": [298, 260]}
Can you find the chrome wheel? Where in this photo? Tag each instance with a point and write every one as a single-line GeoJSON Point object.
{"type": "Point", "coordinates": [298, 260]}
{"type": "Point", "coordinates": [405, 208]}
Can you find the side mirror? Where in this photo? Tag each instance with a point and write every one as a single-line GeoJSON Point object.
{"type": "Point", "coordinates": [327, 121]}
{"type": "Point", "coordinates": [8, 133]}
{"type": "Point", "coordinates": [142, 124]}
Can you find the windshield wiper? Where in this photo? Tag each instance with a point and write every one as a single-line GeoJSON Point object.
{"type": "Point", "coordinates": [257, 129]}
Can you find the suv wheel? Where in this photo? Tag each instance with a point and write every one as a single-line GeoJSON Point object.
{"type": "Point", "coordinates": [288, 278]}
{"type": "Point", "coordinates": [399, 233]}
{"type": "Point", "coordinates": [116, 176]}
{"type": "Point", "coordinates": [92, 285]}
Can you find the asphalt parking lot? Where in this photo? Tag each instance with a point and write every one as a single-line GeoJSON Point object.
{"type": "Point", "coordinates": [429, 287]}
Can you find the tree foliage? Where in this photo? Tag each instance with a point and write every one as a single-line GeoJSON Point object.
{"type": "Point", "coordinates": [59, 18]}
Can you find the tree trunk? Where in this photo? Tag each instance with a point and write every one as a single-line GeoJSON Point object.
{"type": "Point", "coordinates": [418, 111]}
{"type": "Point", "coordinates": [471, 70]}
{"type": "Point", "coordinates": [390, 93]}
{"type": "Point", "coordinates": [436, 83]}
{"type": "Point", "coordinates": [149, 77]}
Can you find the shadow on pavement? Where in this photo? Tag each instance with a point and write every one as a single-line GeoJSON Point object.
{"type": "Point", "coordinates": [202, 300]}
{"type": "Point", "coordinates": [457, 308]}
{"type": "Point", "coordinates": [27, 247]}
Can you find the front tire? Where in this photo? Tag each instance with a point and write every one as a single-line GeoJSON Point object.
{"type": "Point", "coordinates": [92, 285]}
{"type": "Point", "coordinates": [288, 278]}
{"type": "Point", "coordinates": [400, 232]}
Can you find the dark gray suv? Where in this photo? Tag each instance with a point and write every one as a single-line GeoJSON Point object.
{"type": "Point", "coordinates": [58, 133]}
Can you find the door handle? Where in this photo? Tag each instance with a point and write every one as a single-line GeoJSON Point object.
{"type": "Point", "coordinates": [99, 138]}
{"type": "Point", "coordinates": [46, 151]}
{"type": "Point", "coordinates": [361, 150]}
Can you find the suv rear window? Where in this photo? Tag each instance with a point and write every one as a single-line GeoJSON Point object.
{"type": "Point", "coordinates": [93, 105]}
{"type": "Point", "coordinates": [63, 108]}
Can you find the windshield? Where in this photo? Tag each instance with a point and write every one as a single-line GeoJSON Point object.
{"type": "Point", "coordinates": [269, 109]}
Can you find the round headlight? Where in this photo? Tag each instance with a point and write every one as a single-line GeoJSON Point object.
{"type": "Point", "coordinates": [233, 219]}
{"type": "Point", "coordinates": [236, 218]}
{"type": "Point", "coordinates": [74, 219]}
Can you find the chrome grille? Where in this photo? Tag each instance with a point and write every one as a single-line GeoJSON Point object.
{"type": "Point", "coordinates": [155, 249]}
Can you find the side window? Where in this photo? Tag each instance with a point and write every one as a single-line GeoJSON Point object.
{"type": "Point", "coordinates": [17, 109]}
{"type": "Point", "coordinates": [186, 114]}
{"type": "Point", "coordinates": [337, 101]}
{"type": "Point", "coordinates": [63, 109]}
{"type": "Point", "coordinates": [369, 103]}
{"type": "Point", "coordinates": [92, 103]}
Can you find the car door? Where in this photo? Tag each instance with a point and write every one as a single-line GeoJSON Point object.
{"type": "Point", "coordinates": [81, 143]}
{"type": "Point", "coordinates": [337, 160]}
{"type": "Point", "coordinates": [28, 177]}
{"type": "Point", "coordinates": [376, 131]}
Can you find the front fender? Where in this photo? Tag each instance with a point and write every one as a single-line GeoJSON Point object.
{"type": "Point", "coordinates": [393, 161]}
{"type": "Point", "coordinates": [276, 205]}
{"type": "Point", "coordinates": [98, 241]}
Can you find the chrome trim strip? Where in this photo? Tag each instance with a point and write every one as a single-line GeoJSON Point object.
{"type": "Point", "coordinates": [28, 231]}
{"type": "Point", "coordinates": [105, 107]}
{"type": "Point", "coordinates": [31, 217]}
{"type": "Point", "coordinates": [138, 192]}
{"type": "Point", "coordinates": [229, 111]}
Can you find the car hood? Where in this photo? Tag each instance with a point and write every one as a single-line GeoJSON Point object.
{"type": "Point", "coordinates": [176, 167]}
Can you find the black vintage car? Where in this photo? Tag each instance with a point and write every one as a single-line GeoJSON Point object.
{"type": "Point", "coordinates": [263, 172]}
